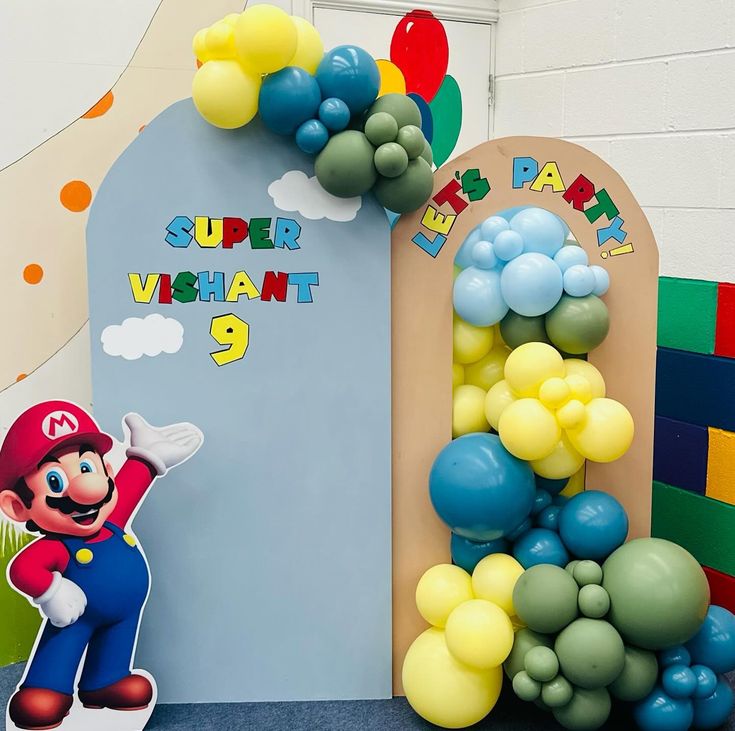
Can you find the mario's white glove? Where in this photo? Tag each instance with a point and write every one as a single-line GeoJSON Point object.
{"type": "Point", "coordinates": [63, 602]}
{"type": "Point", "coordinates": [162, 447]}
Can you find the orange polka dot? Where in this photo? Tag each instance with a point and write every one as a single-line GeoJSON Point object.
{"type": "Point", "coordinates": [76, 195]}
{"type": "Point", "coordinates": [100, 107]}
{"type": "Point", "coordinates": [21, 376]}
{"type": "Point", "coordinates": [33, 273]}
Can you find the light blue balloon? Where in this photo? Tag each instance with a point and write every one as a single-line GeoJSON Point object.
{"type": "Point", "coordinates": [508, 245]}
{"type": "Point", "coordinates": [540, 545]}
{"type": "Point", "coordinates": [706, 681]}
{"type": "Point", "coordinates": [660, 712]}
{"type": "Point", "coordinates": [531, 284]}
{"type": "Point", "coordinates": [602, 280]}
{"type": "Point", "coordinates": [463, 257]}
{"type": "Point", "coordinates": [508, 213]}
{"type": "Point", "coordinates": [477, 297]}
{"type": "Point", "coordinates": [541, 230]}
{"type": "Point", "coordinates": [312, 136]}
{"type": "Point", "coordinates": [713, 711]}
{"type": "Point", "coordinates": [467, 554]}
{"type": "Point", "coordinates": [483, 255]}
{"type": "Point", "coordinates": [569, 256]}
{"type": "Point", "coordinates": [579, 281]}
{"type": "Point", "coordinates": [714, 644]}
{"type": "Point", "coordinates": [679, 681]}
{"type": "Point", "coordinates": [492, 226]}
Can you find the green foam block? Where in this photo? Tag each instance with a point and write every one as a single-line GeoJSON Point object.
{"type": "Point", "coordinates": [700, 524]}
{"type": "Point", "coordinates": [687, 314]}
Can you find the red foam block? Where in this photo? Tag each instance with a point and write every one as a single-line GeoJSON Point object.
{"type": "Point", "coordinates": [725, 329]}
{"type": "Point", "coordinates": [722, 588]}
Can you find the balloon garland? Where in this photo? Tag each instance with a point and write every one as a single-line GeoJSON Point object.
{"type": "Point", "coordinates": [263, 61]}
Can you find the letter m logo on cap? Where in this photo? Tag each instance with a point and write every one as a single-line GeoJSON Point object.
{"type": "Point", "coordinates": [59, 424]}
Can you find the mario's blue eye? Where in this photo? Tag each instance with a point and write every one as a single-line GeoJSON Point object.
{"type": "Point", "coordinates": [86, 465]}
{"type": "Point", "coordinates": [56, 480]}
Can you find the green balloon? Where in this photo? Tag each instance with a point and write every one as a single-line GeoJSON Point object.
{"type": "Point", "coordinates": [587, 572]}
{"type": "Point", "coordinates": [381, 128]}
{"type": "Point", "coordinates": [525, 640]}
{"type": "Point", "coordinates": [518, 329]}
{"type": "Point", "coordinates": [578, 324]}
{"type": "Point", "coordinates": [557, 692]}
{"type": "Point", "coordinates": [593, 601]}
{"type": "Point", "coordinates": [545, 598]}
{"type": "Point", "coordinates": [591, 653]}
{"type": "Point", "coordinates": [412, 140]}
{"type": "Point", "coordinates": [639, 675]}
{"type": "Point", "coordinates": [658, 593]}
{"type": "Point", "coordinates": [408, 191]}
{"type": "Point", "coordinates": [427, 153]}
{"type": "Point", "coordinates": [541, 663]}
{"type": "Point", "coordinates": [401, 107]}
{"type": "Point", "coordinates": [525, 687]}
{"type": "Point", "coordinates": [391, 160]}
{"type": "Point", "coordinates": [587, 711]}
{"type": "Point", "coordinates": [570, 566]}
{"type": "Point", "coordinates": [345, 166]}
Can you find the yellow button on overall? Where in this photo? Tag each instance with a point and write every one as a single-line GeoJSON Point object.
{"type": "Point", "coordinates": [129, 539]}
{"type": "Point", "coordinates": [84, 555]}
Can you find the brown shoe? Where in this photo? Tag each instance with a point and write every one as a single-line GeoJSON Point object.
{"type": "Point", "coordinates": [39, 708]}
{"type": "Point", "coordinates": [132, 693]}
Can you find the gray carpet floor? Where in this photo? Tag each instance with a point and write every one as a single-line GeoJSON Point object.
{"type": "Point", "coordinates": [509, 715]}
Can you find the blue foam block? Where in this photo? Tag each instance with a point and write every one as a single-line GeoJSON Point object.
{"type": "Point", "coordinates": [680, 454]}
{"type": "Point", "coordinates": [695, 388]}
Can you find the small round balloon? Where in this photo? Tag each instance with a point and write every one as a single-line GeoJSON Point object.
{"type": "Point", "coordinates": [440, 590]}
{"type": "Point", "coordinates": [402, 108]}
{"type": "Point", "coordinates": [509, 244]}
{"type": "Point", "coordinates": [706, 681]}
{"type": "Point", "coordinates": [545, 598]}
{"type": "Point", "coordinates": [492, 226]}
{"type": "Point", "coordinates": [525, 640]}
{"type": "Point", "coordinates": [334, 114]}
{"type": "Point", "coordinates": [391, 160]}
{"type": "Point", "coordinates": [569, 256]}
{"type": "Point", "coordinates": [714, 710]}
{"type": "Point", "coordinates": [579, 281]}
{"type": "Point", "coordinates": [381, 128]}
{"type": "Point", "coordinates": [549, 518]}
{"type": "Point", "coordinates": [312, 136]}
{"type": "Point", "coordinates": [531, 284]}
{"type": "Point", "coordinates": [288, 98]}
{"type": "Point", "coordinates": [593, 524]}
{"type": "Point", "coordinates": [679, 681]}
{"type": "Point", "coordinates": [350, 74]}
{"type": "Point", "coordinates": [660, 712]}
{"type": "Point", "coordinates": [540, 546]}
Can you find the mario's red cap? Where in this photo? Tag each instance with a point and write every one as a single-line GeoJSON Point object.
{"type": "Point", "coordinates": [42, 429]}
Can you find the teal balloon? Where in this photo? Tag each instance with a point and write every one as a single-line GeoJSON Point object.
{"type": "Point", "coordinates": [349, 73]}
{"type": "Point", "coordinates": [679, 681]}
{"type": "Point", "coordinates": [287, 99]}
{"type": "Point", "coordinates": [660, 712]}
{"type": "Point", "coordinates": [467, 554]}
{"type": "Point", "coordinates": [586, 711]}
{"type": "Point", "coordinates": [540, 546]}
{"type": "Point", "coordinates": [312, 136]}
{"type": "Point", "coordinates": [334, 114]}
{"type": "Point", "coordinates": [713, 711]}
{"type": "Point", "coordinates": [477, 298]}
{"type": "Point", "coordinates": [549, 518]}
{"type": "Point", "coordinates": [714, 644]}
{"type": "Point", "coordinates": [706, 681]}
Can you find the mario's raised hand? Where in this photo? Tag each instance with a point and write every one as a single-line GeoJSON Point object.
{"type": "Point", "coordinates": [162, 447]}
{"type": "Point", "coordinates": [63, 602]}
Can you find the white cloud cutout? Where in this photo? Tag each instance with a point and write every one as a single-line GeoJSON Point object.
{"type": "Point", "coordinates": [296, 191]}
{"type": "Point", "coordinates": [136, 337]}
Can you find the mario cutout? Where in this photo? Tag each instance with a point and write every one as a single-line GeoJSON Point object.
{"type": "Point", "coordinates": [86, 573]}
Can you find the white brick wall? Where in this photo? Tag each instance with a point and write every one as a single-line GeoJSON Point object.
{"type": "Point", "coordinates": [649, 85]}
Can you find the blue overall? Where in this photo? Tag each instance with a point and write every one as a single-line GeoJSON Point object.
{"type": "Point", "coordinates": [115, 580]}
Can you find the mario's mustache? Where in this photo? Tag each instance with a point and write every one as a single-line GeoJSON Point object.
{"type": "Point", "coordinates": [68, 506]}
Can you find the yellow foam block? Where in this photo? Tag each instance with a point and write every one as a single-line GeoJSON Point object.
{"type": "Point", "coordinates": [721, 466]}
{"type": "Point", "coordinates": [575, 484]}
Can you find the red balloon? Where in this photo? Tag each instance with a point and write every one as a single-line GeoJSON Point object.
{"type": "Point", "coordinates": [419, 48]}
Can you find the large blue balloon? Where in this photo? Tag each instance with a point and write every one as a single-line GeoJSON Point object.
{"type": "Point", "coordinates": [714, 644]}
{"type": "Point", "coordinates": [287, 99]}
{"type": "Point", "coordinates": [349, 73]}
{"type": "Point", "coordinates": [713, 711]}
{"type": "Point", "coordinates": [479, 489]}
{"type": "Point", "coordinates": [467, 554]}
{"type": "Point", "coordinates": [593, 524]}
{"type": "Point", "coordinates": [477, 298]}
{"type": "Point", "coordinates": [542, 231]}
{"type": "Point", "coordinates": [531, 284]}
{"type": "Point", "coordinates": [659, 712]}
{"type": "Point", "coordinates": [540, 545]}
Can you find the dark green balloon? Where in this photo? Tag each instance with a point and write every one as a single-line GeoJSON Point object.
{"type": "Point", "coordinates": [658, 593]}
{"type": "Point", "coordinates": [412, 140]}
{"type": "Point", "coordinates": [391, 160]}
{"type": "Point", "coordinates": [525, 640]}
{"type": "Point", "coordinates": [557, 692]}
{"type": "Point", "coordinates": [545, 598]}
{"type": "Point", "coordinates": [381, 128]}
{"type": "Point", "coordinates": [591, 653]}
{"type": "Point", "coordinates": [408, 191]}
{"type": "Point", "coordinates": [518, 329]}
{"type": "Point", "coordinates": [638, 677]}
{"type": "Point", "coordinates": [427, 153]}
{"type": "Point", "coordinates": [578, 324]}
{"type": "Point", "coordinates": [587, 711]}
{"type": "Point", "coordinates": [401, 107]}
{"type": "Point", "coordinates": [345, 167]}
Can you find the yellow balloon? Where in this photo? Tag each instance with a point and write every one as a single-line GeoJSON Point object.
{"type": "Point", "coordinates": [606, 431]}
{"type": "Point", "coordinates": [571, 414]}
{"type": "Point", "coordinates": [494, 579]}
{"type": "Point", "coordinates": [468, 411]}
{"type": "Point", "coordinates": [529, 365]}
{"type": "Point", "coordinates": [488, 370]}
{"type": "Point", "coordinates": [580, 389]}
{"type": "Point", "coordinates": [391, 78]}
{"type": "Point", "coordinates": [554, 392]}
{"type": "Point", "coordinates": [457, 374]}
{"type": "Point", "coordinates": [224, 94]}
{"type": "Point", "coordinates": [309, 46]}
{"type": "Point", "coordinates": [221, 40]}
{"type": "Point", "coordinates": [564, 461]}
{"type": "Point", "coordinates": [498, 398]}
{"type": "Point", "coordinates": [440, 590]}
{"type": "Point", "coordinates": [577, 367]}
{"type": "Point", "coordinates": [443, 690]}
{"type": "Point", "coordinates": [199, 45]}
{"type": "Point", "coordinates": [575, 484]}
{"type": "Point", "coordinates": [479, 634]}
{"type": "Point", "coordinates": [528, 429]}
{"type": "Point", "coordinates": [470, 343]}
{"type": "Point", "coordinates": [265, 38]}
{"type": "Point", "coordinates": [231, 19]}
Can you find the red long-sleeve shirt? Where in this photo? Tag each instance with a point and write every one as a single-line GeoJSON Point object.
{"type": "Point", "coordinates": [31, 571]}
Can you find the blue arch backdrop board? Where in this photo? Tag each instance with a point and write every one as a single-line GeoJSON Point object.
{"type": "Point", "coordinates": [269, 549]}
